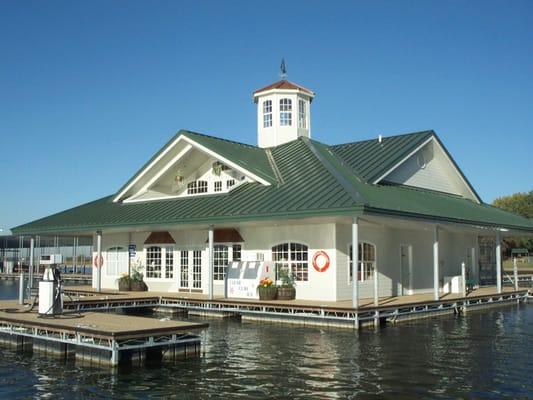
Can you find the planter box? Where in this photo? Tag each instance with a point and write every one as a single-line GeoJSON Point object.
{"type": "Point", "coordinates": [267, 293]}
{"type": "Point", "coordinates": [124, 286]}
{"type": "Point", "coordinates": [137, 286]}
{"type": "Point", "coordinates": [286, 293]}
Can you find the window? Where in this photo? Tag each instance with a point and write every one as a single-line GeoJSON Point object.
{"type": "Point", "coordinates": [169, 262]}
{"type": "Point", "coordinates": [302, 123]}
{"type": "Point", "coordinates": [218, 186]}
{"type": "Point", "coordinates": [153, 262]}
{"type": "Point", "coordinates": [367, 261]}
{"type": "Point", "coordinates": [184, 268]}
{"type": "Point", "coordinates": [230, 183]}
{"type": "Point", "coordinates": [267, 113]}
{"type": "Point", "coordinates": [292, 256]}
{"type": "Point", "coordinates": [285, 112]}
{"type": "Point", "coordinates": [116, 261]}
{"type": "Point", "coordinates": [236, 252]}
{"type": "Point", "coordinates": [197, 187]}
{"type": "Point", "coordinates": [220, 261]}
{"type": "Point", "coordinates": [197, 269]}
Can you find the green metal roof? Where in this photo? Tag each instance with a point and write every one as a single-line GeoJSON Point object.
{"type": "Point", "coordinates": [313, 179]}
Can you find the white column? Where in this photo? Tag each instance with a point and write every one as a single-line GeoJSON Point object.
{"type": "Point", "coordinates": [211, 263]}
{"type": "Point", "coordinates": [515, 273]}
{"type": "Point", "coordinates": [436, 263]}
{"type": "Point", "coordinates": [475, 266]}
{"type": "Point", "coordinates": [355, 263]}
{"type": "Point", "coordinates": [74, 255]}
{"type": "Point", "coordinates": [32, 248]}
{"type": "Point", "coordinates": [498, 262]}
{"type": "Point", "coordinates": [376, 285]}
{"type": "Point", "coordinates": [98, 259]}
{"type": "Point", "coordinates": [463, 277]}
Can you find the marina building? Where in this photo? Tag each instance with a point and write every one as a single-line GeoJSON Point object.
{"type": "Point", "coordinates": [208, 215]}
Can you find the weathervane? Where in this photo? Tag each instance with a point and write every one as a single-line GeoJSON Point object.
{"type": "Point", "coordinates": [283, 69]}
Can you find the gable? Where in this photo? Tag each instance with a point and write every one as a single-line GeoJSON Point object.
{"type": "Point", "coordinates": [430, 167]}
{"type": "Point", "coordinates": [185, 159]}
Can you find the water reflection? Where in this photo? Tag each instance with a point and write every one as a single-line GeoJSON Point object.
{"type": "Point", "coordinates": [481, 355]}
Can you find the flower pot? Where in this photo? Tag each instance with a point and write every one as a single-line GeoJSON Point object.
{"type": "Point", "coordinates": [267, 293]}
{"type": "Point", "coordinates": [124, 286]}
{"type": "Point", "coordinates": [286, 293]}
{"type": "Point", "coordinates": [138, 286]}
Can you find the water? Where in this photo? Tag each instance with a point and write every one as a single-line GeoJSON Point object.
{"type": "Point", "coordinates": [483, 355]}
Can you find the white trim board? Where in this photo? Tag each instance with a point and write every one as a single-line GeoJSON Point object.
{"type": "Point", "coordinates": [190, 143]}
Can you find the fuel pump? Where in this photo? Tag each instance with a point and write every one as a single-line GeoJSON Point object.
{"type": "Point", "coordinates": [50, 292]}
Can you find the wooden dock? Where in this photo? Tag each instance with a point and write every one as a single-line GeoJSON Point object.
{"type": "Point", "coordinates": [103, 338]}
{"type": "Point", "coordinates": [305, 312]}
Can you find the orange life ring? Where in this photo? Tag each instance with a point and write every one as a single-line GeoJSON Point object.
{"type": "Point", "coordinates": [96, 261]}
{"type": "Point", "coordinates": [325, 265]}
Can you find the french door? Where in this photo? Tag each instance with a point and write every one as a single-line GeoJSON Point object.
{"type": "Point", "coordinates": [190, 270]}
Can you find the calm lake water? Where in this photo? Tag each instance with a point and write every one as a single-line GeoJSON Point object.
{"type": "Point", "coordinates": [485, 354]}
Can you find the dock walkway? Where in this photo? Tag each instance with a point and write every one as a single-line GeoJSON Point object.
{"type": "Point", "coordinates": [107, 338]}
{"type": "Point", "coordinates": [333, 313]}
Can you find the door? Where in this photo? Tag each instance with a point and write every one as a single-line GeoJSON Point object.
{"type": "Point", "coordinates": [190, 270]}
{"type": "Point", "coordinates": [406, 268]}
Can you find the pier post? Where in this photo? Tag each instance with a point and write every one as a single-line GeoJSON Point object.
{"type": "Point", "coordinates": [21, 288]}
{"type": "Point", "coordinates": [463, 277]}
{"type": "Point", "coordinates": [515, 273]}
{"type": "Point", "coordinates": [355, 264]}
{"type": "Point", "coordinates": [436, 263]}
{"type": "Point", "coordinates": [98, 263]}
{"type": "Point", "coordinates": [498, 262]}
{"type": "Point", "coordinates": [211, 262]}
{"type": "Point", "coordinates": [32, 251]}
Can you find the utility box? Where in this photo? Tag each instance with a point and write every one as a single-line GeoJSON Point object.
{"type": "Point", "coordinates": [51, 259]}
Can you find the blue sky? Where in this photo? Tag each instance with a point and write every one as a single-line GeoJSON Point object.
{"type": "Point", "coordinates": [90, 90]}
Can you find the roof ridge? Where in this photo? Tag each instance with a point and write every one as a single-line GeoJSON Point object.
{"type": "Point", "coordinates": [430, 131]}
{"type": "Point", "coordinates": [334, 170]}
{"type": "Point", "coordinates": [219, 138]}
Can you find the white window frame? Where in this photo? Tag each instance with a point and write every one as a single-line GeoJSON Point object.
{"type": "Point", "coordinates": [285, 112]}
{"type": "Point", "coordinates": [302, 114]}
{"type": "Point", "coordinates": [291, 264]}
{"type": "Point", "coordinates": [116, 252]}
{"type": "Point", "coordinates": [217, 274]}
{"type": "Point", "coordinates": [361, 270]}
{"type": "Point", "coordinates": [267, 113]}
{"type": "Point", "coordinates": [164, 248]}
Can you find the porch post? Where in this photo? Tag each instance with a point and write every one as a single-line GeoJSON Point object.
{"type": "Point", "coordinates": [30, 272]}
{"type": "Point", "coordinates": [355, 263]}
{"type": "Point", "coordinates": [436, 263]}
{"type": "Point", "coordinates": [498, 262]}
{"type": "Point", "coordinates": [515, 274]}
{"type": "Point", "coordinates": [211, 259]}
{"type": "Point", "coordinates": [74, 255]}
{"type": "Point", "coordinates": [98, 263]}
{"type": "Point", "coordinates": [463, 278]}
{"type": "Point", "coordinates": [376, 285]}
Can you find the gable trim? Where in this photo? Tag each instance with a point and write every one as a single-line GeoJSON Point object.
{"type": "Point", "coordinates": [193, 143]}
{"type": "Point", "coordinates": [447, 156]}
{"type": "Point", "coordinates": [395, 166]}
{"type": "Point", "coordinates": [227, 161]}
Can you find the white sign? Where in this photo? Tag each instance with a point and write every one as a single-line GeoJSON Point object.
{"type": "Point", "coordinates": [243, 277]}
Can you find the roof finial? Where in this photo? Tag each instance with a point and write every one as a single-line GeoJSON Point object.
{"type": "Point", "coordinates": [283, 69]}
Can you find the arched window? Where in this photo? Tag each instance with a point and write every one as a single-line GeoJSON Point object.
{"type": "Point", "coordinates": [302, 118]}
{"type": "Point", "coordinates": [267, 113]}
{"type": "Point", "coordinates": [367, 261]}
{"type": "Point", "coordinates": [293, 257]}
{"type": "Point", "coordinates": [153, 262]}
{"type": "Point", "coordinates": [285, 112]}
{"type": "Point", "coordinates": [116, 261]}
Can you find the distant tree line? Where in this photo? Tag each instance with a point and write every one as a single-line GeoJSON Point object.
{"type": "Point", "coordinates": [521, 204]}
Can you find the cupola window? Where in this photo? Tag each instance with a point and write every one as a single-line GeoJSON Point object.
{"type": "Point", "coordinates": [301, 114]}
{"type": "Point", "coordinates": [285, 112]}
{"type": "Point", "coordinates": [267, 113]}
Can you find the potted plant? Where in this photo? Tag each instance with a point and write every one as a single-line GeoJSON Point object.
{"type": "Point", "coordinates": [137, 282]}
{"type": "Point", "coordinates": [124, 282]}
{"type": "Point", "coordinates": [286, 291]}
{"type": "Point", "coordinates": [267, 290]}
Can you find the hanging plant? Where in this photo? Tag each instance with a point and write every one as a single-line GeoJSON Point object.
{"type": "Point", "coordinates": [217, 168]}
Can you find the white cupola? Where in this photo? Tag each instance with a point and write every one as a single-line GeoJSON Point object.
{"type": "Point", "coordinates": [283, 112]}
